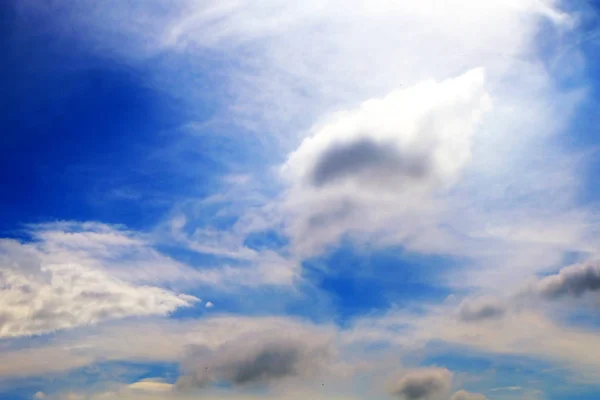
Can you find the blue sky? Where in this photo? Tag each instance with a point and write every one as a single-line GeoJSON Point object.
{"type": "Point", "coordinates": [299, 199]}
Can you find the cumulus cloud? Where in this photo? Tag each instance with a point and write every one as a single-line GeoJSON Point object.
{"type": "Point", "coordinates": [73, 296]}
{"type": "Point", "coordinates": [46, 287]}
{"type": "Point", "coordinates": [423, 132]}
{"type": "Point", "coordinates": [481, 308]}
{"type": "Point", "coordinates": [258, 359]}
{"type": "Point", "coordinates": [464, 395]}
{"type": "Point", "coordinates": [425, 384]}
{"type": "Point", "coordinates": [76, 296]}
{"type": "Point", "coordinates": [574, 281]}
{"type": "Point", "coordinates": [384, 159]}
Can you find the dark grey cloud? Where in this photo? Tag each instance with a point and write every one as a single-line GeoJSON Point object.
{"type": "Point", "coordinates": [464, 395]}
{"type": "Point", "coordinates": [425, 384]}
{"type": "Point", "coordinates": [479, 309]}
{"type": "Point", "coordinates": [368, 159]}
{"type": "Point", "coordinates": [256, 360]}
{"type": "Point", "coordinates": [573, 281]}
{"type": "Point", "coordinates": [269, 364]}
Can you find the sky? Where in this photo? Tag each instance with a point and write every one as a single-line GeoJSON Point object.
{"type": "Point", "coordinates": [299, 199]}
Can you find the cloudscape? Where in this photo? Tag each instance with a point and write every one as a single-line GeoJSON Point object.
{"type": "Point", "coordinates": [299, 199]}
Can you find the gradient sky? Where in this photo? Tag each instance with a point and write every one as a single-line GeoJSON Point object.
{"type": "Point", "coordinates": [299, 199]}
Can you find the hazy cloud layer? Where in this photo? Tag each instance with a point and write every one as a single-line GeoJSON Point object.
{"type": "Point", "coordinates": [528, 332]}
{"type": "Point", "coordinates": [154, 340]}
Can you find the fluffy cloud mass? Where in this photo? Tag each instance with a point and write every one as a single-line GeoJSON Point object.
{"type": "Point", "coordinates": [574, 281]}
{"type": "Point", "coordinates": [259, 359]}
{"type": "Point", "coordinates": [43, 289]}
{"type": "Point", "coordinates": [383, 161]}
{"type": "Point", "coordinates": [426, 384]}
{"type": "Point", "coordinates": [419, 136]}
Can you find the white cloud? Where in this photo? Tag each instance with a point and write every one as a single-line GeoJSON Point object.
{"type": "Point", "coordinates": [132, 257]}
{"type": "Point", "coordinates": [120, 253]}
{"type": "Point", "coordinates": [39, 297]}
{"type": "Point", "coordinates": [369, 170]}
{"type": "Point", "coordinates": [427, 130]}
{"type": "Point", "coordinates": [209, 304]}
